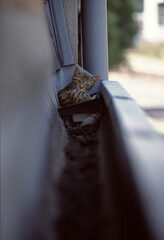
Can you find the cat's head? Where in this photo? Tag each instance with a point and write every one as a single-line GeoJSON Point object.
{"type": "Point", "coordinates": [83, 80]}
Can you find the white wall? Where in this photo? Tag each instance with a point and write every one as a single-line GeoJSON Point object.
{"type": "Point", "coordinates": [152, 31]}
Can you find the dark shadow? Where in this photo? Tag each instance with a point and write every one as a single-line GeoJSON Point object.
{"type": "Point", "coordinates": [79, 188]}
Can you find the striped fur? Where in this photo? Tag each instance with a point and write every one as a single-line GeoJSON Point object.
{"type": "Point", "coordinates": [78, 90]}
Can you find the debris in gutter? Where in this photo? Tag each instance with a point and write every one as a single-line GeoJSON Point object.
{"type": "Point", "coordinates": [79, 188]}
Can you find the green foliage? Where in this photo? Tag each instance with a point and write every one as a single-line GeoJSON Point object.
{"type": "Point", "coordinates": [121, 29]}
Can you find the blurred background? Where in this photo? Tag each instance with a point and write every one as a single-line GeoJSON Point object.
{"type": "Point", "coordinates": [136, 53]}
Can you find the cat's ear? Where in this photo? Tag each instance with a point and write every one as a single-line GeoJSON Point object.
{"type": "Point", "coordinates": [95, 78]}
{"type": "Point", "coordinates": [77, 71]}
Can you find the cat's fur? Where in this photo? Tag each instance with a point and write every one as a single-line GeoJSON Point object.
{"type": "Point", "coordinates": [78, 90]}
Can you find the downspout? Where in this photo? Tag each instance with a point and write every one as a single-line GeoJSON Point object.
{"type": "Point", "coordinates": [95, 46]}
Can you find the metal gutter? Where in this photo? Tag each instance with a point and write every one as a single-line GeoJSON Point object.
{"type": "Point", "coordinates": [140, 158]}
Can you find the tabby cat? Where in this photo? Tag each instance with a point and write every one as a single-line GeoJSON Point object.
{"type": "Point", "coordinates": [78, 90]}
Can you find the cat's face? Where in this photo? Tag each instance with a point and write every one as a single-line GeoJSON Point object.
{"type": "Point", "coordinates": [83, 80]}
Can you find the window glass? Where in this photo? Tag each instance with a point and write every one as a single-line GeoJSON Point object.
{"type": "Point", "coordinates": [161, 13]}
